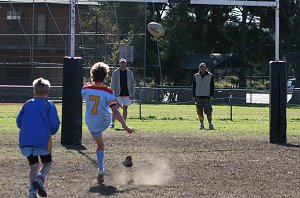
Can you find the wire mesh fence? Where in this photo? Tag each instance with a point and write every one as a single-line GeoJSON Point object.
{"type": "Point", "coordinates": [170, 103]}
{"type": "Point", "coordinates": [34, 37]}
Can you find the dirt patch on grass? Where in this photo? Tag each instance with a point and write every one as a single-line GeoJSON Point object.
{"type": "Point", "coordinates": [164, 165]}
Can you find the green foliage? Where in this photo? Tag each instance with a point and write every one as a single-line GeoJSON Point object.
{"type": "Point", "coordinates": [194, 29]}
{"type": "Point", "coordinates": [232, 79]}
{"type": "Point", "coordinates": [223, 84]}
{"type": "Point", "coordinates": [260, 84]}
{"type": "Point", "coordinates": [226, 82]}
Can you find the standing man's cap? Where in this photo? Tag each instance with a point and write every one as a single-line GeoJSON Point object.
{"type": "Point", "coordinates": [122, 60]}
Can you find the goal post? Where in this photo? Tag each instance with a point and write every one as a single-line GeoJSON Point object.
{"type": "Point", "coordinates": [276, 67]}
{"type": "Point", "coordinates": [278, 98]}
{"type": "Point", "coordinates": [274, 4]}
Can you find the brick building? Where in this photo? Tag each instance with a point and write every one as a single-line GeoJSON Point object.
{"type": "Point", "coordinates": [34, 38]}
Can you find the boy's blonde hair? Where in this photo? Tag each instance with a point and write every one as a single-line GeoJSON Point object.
{"type": "Point", "coordinates": [41, 86]}
{"type": "Point", "coordinates": [99, 72]}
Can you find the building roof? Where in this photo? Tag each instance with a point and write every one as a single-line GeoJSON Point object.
{"type": "Point", "coordinates": [213, 60]}
{"type": "Point", "coordinates": [82, 2]}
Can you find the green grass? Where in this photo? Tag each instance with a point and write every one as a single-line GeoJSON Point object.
{"type": "Point", "coordinates": [180, 119]}
{"type": "Point", "coordinates": [221, 126]}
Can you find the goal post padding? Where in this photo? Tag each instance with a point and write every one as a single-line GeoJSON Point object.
{"type": "Point", "coordinates": [278, 100]}
{"type": "Point", "coordinates": [71, 131]}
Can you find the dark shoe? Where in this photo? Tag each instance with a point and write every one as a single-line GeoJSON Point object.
{"type": "Point", "coordinates": [39, 185]}
{"type": "Point", "coordinates": [100, 177]}
{"type": "Point", "coordinates": [201, 126]}
{"type": "Point", "coordinates": [112, 125]}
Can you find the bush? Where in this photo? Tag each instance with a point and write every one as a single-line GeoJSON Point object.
{"type": "Point", "coordinates": [260, 84]}
{"type": "Point", "coordinates": [226, 82]}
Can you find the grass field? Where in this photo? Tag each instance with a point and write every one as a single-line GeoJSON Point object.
{"type": "Point", "coordinates": [172, 157]}
{"type": "Point", "coordinates": [180, 118]}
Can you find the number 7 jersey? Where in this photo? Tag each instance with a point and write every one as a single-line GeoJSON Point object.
{"type": "Point", "coordinates": [98, 99]}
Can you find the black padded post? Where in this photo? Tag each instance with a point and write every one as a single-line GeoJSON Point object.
{"type": "Point", "coordinates": [71, 132]}
{"type": "Point", "coordinates": [278, 101]}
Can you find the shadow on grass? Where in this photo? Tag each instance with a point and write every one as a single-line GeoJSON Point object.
{"type": "Point", "coordinates": [287, 145]}
{"type": "Point", "coordinates": [102, 189]}
{"type": "Point", "coordinates": [119, 129]}
{"type": "Point", "coordinates": [80, 149]}
{"type": "Point", "coordinates": [290, 145]}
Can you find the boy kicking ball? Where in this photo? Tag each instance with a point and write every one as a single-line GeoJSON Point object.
{"type": "Point", "coordinates": [99, 100]}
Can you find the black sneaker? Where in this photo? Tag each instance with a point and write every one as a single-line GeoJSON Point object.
{"type": "Point", "coordinates": [39, 185]}
{"type": "Point", "coordinates": [112, 125]}
{"type": "Point", "coordinates": [100, 177]}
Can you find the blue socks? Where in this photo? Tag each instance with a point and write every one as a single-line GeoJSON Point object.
{"type": "Point", "coordinates": [100, 159]}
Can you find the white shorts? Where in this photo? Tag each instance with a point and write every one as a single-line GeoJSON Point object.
{"type": "Point", "coordinates": [123, 100]}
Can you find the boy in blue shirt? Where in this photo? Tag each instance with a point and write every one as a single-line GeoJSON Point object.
{"type": "Point", "coordinates": [99, 100]}
{"type": "Point", "coordinates": [38, 121]}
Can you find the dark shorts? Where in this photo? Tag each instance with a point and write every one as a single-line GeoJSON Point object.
{"type": "Point", "coordinates": [35, 159]}
{"type": "Point", "coordinates": [203, 104]}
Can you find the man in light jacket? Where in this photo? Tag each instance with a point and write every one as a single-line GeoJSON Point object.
{"type": "Point", "coordinates": [123, 83]}
{"type": "Point", "coordinates": [203, 93]}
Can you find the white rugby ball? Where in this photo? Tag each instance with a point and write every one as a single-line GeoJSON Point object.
{"type": "Point", "coordinates": [156, 29]}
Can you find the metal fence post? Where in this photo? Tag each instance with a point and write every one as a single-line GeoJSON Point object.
{"type": "Point", "coordinates": [250, 94]}
{"type": "Point", "coordinates": [230, 102]}
{"type": "Point", "coordinates": [140, 101]}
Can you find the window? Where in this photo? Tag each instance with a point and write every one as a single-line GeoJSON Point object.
{"type": "Point", "coordinates": [16, 19]}
{"type": "Point", "coordinates": [13, 15]}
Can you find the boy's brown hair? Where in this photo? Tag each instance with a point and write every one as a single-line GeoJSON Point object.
{"type": "Point", "coordinates": [99, 72]}
{"type": "Point", "coordinates": [41, 87]}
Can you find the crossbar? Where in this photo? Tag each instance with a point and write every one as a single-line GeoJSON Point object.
{"type": "Point", "coordinates": [208, 2]}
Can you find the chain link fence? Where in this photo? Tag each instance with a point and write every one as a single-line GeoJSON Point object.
{"type": "Point", "coordinates": [170, 103]}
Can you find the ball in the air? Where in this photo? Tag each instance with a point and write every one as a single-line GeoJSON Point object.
{"type": "Point", "coordinates": [156, 29]}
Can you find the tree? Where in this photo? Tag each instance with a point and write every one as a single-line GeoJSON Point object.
{"type": "Point", "coordinates": [290, 20]}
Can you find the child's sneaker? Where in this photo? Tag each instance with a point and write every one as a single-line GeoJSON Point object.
{"type": "Point", "coordinates": [211, 126]}
{"type": "Point", "coordinates": [39, 185]}
{"type": "Point", "coordinates": [100, 177]}
{"type": "Point", "coordinates": [32, 194]}
{"type": "Point", "coordinates": [201, 126]}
